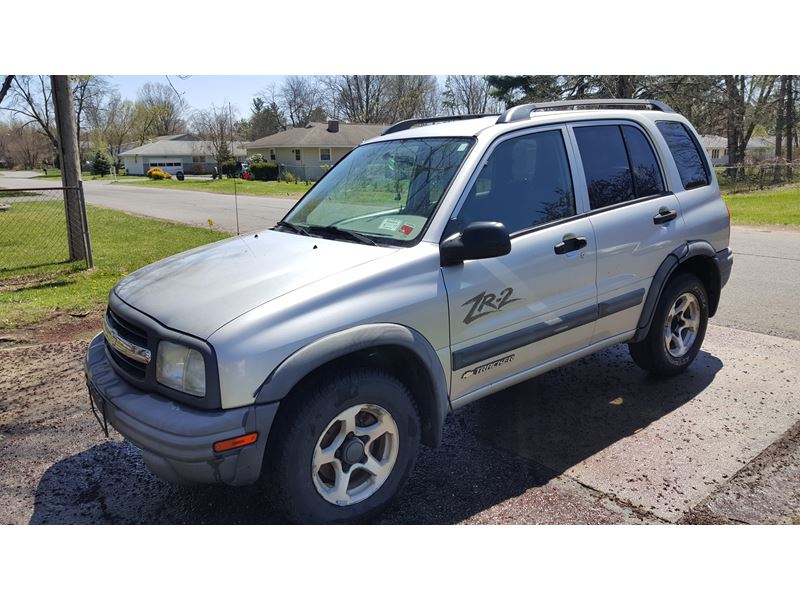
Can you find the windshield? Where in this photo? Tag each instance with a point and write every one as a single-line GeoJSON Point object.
{"type": "Point", "coordinates": [384, 192]}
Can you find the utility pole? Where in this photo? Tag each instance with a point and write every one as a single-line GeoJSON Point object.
{"type": "Point", "coordinates": [70, 165]}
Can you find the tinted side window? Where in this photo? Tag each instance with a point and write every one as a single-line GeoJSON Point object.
{"type": "Point", "coordinates": [525, 182]}
{"type": "Point", "coordinates": [605, 164]}
{"type": "Point", "coordinates": [685, 151]}
{"type": "Point", "coordinates": [647, 180]}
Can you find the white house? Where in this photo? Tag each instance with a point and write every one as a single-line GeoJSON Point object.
{"type": "Point", "coordinates": [758, 149]}
{"type": "Point", "coordinates": [183, 152]}
{"type": "Point", "coordinates": [304, 150]}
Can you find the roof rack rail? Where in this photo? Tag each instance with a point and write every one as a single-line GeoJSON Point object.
{"type": "Point", "coordinates": [522, 112]}
{"type": "Point", "coordinates": [409, 123]}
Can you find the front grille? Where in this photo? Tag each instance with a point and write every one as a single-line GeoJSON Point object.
{"type": "Point", "coordinates": [128, 330]}
{"type": "Point", "coordinates": [133, 334]}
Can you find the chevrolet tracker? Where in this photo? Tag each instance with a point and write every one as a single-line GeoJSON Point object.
{"type": "Point", "coordinates": [436, 264]}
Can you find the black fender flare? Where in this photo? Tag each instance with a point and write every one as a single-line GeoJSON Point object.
{"type": "Point", "coordinates": [307, 359]}
{"type": "Point", "coordinates": [673, 260]}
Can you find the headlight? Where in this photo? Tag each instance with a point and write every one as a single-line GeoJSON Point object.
{"type": "Point", "coordinates": [181, 368]}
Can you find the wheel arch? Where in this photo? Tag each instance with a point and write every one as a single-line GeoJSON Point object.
{"type": "Point", "coordinates": [399, 350]}
{"type": "Point", "coordinates": [697, 257]}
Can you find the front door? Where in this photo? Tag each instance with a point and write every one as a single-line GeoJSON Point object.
{"type": "Point", "coordinates": [510, 313]}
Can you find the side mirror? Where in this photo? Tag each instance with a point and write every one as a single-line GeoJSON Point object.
{"type": "Point", "coordinates": [481, 239]}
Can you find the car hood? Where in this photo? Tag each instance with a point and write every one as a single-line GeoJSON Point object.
{"type": "Point", "coordinates": [200, 290]}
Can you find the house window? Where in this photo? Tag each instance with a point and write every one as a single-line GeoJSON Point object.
{"type": "Point", "coordinates": [325, 154]}
{"type": "Point", "coordinates": [198, 159]}
{"type": "Point", "coordinates": [296, 154]}
{"type": "Point", "coordinates": [715, 153]}
{"type": "Point", "coordinates": [272, 155]}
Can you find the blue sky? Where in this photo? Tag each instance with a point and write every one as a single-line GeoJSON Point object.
{"type": "Point", "coordinates": [200, 91]}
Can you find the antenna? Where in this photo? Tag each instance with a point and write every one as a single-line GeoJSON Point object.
{"type": "Point", "coordinates": [233, 153]}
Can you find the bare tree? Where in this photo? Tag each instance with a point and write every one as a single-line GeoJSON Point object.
{"type": "Point", "coordinates": [165, 106]}
{"type": "Point", "coordinates": [6, 86]}
{"type": "Point", "coordinates": [89, 92]}
{"type": "Point", "coordinates": [113, 125]}
{"type": "Point", "coordinates": [410, 96]}
{"type": "Point", "coordinates": [215, 125]}
{"type": "Point", "coordinates": [468, 95]}
{"type": "Point", "coordinates": [298, 97]}
{"type": "Point", "coordinates": [745, 101]}
{"type": "Point", "coordinates": [23, 145]}
{"type": "Point", "coordinates": [31, 101]}
{"type": "Point", "coordinates": [357, 98]}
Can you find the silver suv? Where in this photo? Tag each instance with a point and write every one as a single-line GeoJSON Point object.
{"type": "Point", "coordinates": [434, 265]}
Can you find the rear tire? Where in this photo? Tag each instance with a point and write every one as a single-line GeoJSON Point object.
{"type": "Point", "coordinates": [346, 448]}
{"type": "Point", "coordinates": [677, 329]}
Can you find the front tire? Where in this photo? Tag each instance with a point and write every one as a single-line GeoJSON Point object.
{"type": "Point", "coordinates": [677, 330]}
{"type": "Point", "coordinates": [346, 449]}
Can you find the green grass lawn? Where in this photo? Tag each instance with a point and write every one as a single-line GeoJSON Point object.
{"type": "Point", "coordinates": [121, 243]}
{"type": "Point", "coordinates": [275, 189]}
{"type": "Point", "coordinates": [779, 206]}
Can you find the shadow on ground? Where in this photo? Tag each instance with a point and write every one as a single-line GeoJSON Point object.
{"type": "Point", "coordinates": [493, 450]}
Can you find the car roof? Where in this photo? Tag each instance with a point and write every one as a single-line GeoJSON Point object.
{"type": "Point", "coordinates": [488, 125]}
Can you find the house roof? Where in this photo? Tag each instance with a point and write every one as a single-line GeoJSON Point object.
{"type": "Point", "coordinates": [317, 135]}
{"type": "Point", "coordinates": [755, 142]}
{"type": "Point", "coordinates": [181, 148]}
{"type": "Point", "coordinates": [713, 141]}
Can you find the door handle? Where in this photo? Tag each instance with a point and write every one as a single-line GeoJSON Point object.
{"type": "Point", "coordinates": [664, 215]}
{"type": "Point", "coordinates": [569, 244]}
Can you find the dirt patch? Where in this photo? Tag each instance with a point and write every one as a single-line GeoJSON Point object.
{"type": "Point", "coordinates": [765, 491]}
{"type": "Point", "coordinates": [60, 327]}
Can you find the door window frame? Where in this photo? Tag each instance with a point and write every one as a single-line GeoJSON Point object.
{"type": "Point", "coordinates": [581, 199]}
{"type": "Point", "coordinates": [656, 151]}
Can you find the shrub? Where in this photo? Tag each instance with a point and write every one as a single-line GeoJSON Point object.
{"type": "Point", "coordinates": [289, 177]}
{"type": "Point", "coordinates": [229, 168]}
{"type": "Point", "coordinates": [156, 173]}
{"type": "Point", "coordinates": [255, 158]}
{"type": "Point", "coordinates": [263, 171]}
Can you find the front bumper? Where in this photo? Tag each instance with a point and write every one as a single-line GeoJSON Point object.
{"type": "Point", "coordinates": [176, 440]}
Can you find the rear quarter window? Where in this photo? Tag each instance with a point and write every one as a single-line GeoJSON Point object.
{"type": "Point", "coordinates": [685, 150]}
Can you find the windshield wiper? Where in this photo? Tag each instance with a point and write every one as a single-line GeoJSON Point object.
{"type": "Point", "coordinates": [296, 228]}
{"type": "Point", "coordinates": [332, 229]}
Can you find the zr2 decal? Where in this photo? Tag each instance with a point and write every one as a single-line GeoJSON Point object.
{"type": "Point", "coordinates": [484, 304]}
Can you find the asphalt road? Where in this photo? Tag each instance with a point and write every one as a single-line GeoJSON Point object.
{"type": "Point", "coordinates": [761, 296]}
{"type": "Point", "coordinates": [596, 441]}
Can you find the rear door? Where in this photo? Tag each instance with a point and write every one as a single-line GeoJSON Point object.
{"type": "Point", "coordinates": [636, 221]}
{"type": "Point", "coordinates": [510, 313]}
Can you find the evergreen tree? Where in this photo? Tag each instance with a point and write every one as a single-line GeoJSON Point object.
{"type": "Point", "coordinates": [100, 164]}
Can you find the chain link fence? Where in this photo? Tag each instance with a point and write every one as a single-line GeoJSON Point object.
{"type": "Point", "coordinates": [748, 178]}
{"type": "Point", "coordinates": [35, 232]}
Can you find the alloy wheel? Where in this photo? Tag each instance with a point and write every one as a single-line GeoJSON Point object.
{"type": "Point", "coordinates": [355, 454]}
{"type": "Point", "coordinates": [682, 326]}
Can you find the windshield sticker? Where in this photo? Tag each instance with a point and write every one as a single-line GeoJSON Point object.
{"type": "Point", "coordinates": [462, 147]}
{"type": "Point", "coordinates": [406, 229]}
{"type": "Point", "coordinates": [390, 224]}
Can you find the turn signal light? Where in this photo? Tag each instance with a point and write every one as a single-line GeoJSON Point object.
{"type": "Point", "coordinates": [237, 442]}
